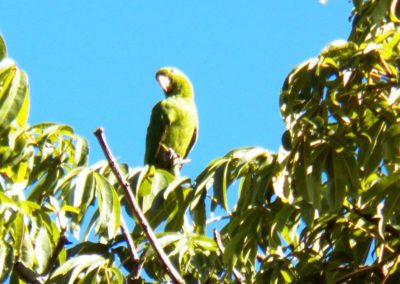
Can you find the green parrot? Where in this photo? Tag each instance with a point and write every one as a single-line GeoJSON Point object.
{"type": "Point", "coordinates": [173, 126]}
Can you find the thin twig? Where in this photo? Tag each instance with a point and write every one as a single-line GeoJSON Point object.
{"type": "Point", "coordinates": [166, 263]}
{"type": "Point", "coordinates": [355, 272]}
{"type": "Point", "coordinates": [129, 241]}
{"type": "Point", "coordinates": [62, 240]}
{"type": "Point", "coordinates": [135, 274]}
{"type": "Point", "coordinates": [217, 237]}
{"type": "Point", "coordinates": [260, 257]}
{"type": "Point", "coordinates": [217, 219]}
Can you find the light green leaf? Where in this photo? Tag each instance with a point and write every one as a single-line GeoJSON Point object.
{"type": "Point", "coordinates": [6, 258]}
{"type": "Point", "coordinates": [81, 152]}
{"type": "Point", "coordinates": [109, 206]}
{"type": "Point", "coordinates": [27, 253]}
{"type": "Point", "coordinates": [174, 185]}
{"type": "Point", "coordinates": [22, 117]}
{"type": "Point", "coordinates": [3, 49]}
{"type": "Point", "coordinates": [205, 179]}
{"type": "Point", "coordinates": [43, 249]}
{"type": "Point", "coordinates": [83, 191]}
{"type": "Point", "coordinates": [76, 265]}
{"type": "Point", "coordinates": [13, 92]}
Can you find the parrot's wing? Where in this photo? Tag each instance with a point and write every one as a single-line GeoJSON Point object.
{"type": "Point", "coordinates": [192, 142]}
{"type": "Point", "coordinates": [156, 132]}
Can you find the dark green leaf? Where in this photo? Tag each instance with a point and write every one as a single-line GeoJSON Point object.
{"type": "Point", "coordinates": [337, 181]}
{"type": "Point", "coordinates": [221, 186]}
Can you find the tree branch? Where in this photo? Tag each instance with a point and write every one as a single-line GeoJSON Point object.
{"type": "Point", "coordinates": [129, 241]}
{"type": "Point", "coordinates": [166, 263]}
{"type": "Point", "coordinates": [135, 274]}
{"type": "Point", "coordinates": [355, 272]}
{"type": "Point", "coordinates": [217, 237]}
{"type": "Point", "coordinates": [217, 219]}
{"type": "Point", "coordinates": [62, 240]}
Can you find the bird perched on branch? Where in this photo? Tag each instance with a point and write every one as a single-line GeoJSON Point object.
{"type": "Point", "coordinates": [173, 126]}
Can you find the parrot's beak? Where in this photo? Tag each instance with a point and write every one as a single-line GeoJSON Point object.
{"type": "Point", "coordinates": [164, 82]}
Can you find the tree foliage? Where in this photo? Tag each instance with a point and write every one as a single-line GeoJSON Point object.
{"type": "Point", "coordinates": [324, 209]}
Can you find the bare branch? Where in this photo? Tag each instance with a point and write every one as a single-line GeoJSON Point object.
{"type": "Point", "coordinates": [129, 241]}
{"type": "Point", "coordinates": [166, 263]}
{"type": "Point", "coordinates": [217, 219]}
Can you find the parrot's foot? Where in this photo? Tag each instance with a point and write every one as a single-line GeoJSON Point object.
{"type": "Point", "coordinates": [174, 157]}
{"type": "Point", "coordinates": [177, 160]}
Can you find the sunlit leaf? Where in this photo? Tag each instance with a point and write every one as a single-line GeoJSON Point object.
{"type": "Point", "coordinates": [75, 266]}
{"type": "Point", "coordinates": [3, 49]}
{"type": "Point", "coordinates": [43, 249]}
{"type": "Point", "coordinates": [81, 152]}
{"type": "Point", "coordinates": [13, 93]}
{"type": "Point", "coordinates": [6, 259]}
{"type": "Point", "coordinates": [109, 207]}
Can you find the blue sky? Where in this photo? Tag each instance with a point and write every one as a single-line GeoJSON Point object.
{"type": "Point", "coordinates": [92, 63]}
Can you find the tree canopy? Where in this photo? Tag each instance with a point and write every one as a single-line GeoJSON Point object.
{"type": "Point", "coordinates": [324, 209]}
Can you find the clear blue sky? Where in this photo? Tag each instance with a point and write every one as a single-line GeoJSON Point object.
{"type": "Point", "coordinates": [92, 63]}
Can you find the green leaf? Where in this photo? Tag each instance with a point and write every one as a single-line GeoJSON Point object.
{"type": "Point", "coordinates": [83, 192]}
{"type": "Point", "coordinates": [3, 49]}
{"type": "Point", "coordinates": [91, 276]}
{"type": "Point", "coordinates": [370, 154]}
{"type": "Point", "coordinates": [198, 213]}
{"type": "Point", "coordinates": [13, 93]}
{"type": "Point", "coordinates": [45, 184]}
{"type": "Point", "coordinates": [394, 11]}
{"type": "Point", "coordinates": [337, 178]}
{"type": "Point", "coordinates": [52, 130]}
{"type": "Point", "coordinates": [109, 206]}
{"type": "Point", "coordinates": [391, 144]}
{"type": "Point", "coordinates": [204, 242]}
{"type": "Point", "coordinates": [22, 117]}
{"type": "Point", "coordinates": [380, 189]}
{"type": "Point", "coordinates": [287, 275]}
{"type": "Point", "coordinates": [6, 259]}
{"type": "Point", "coordinates": [7, 201]}
{"type": "Point", "coordinates": [243, 238]}
{"type": "Point", "coordinates": [308, 174]}
{"type": "Point", "coordinates": [174, 185]}
{"type": "Point", "coordinates": [221, 186]}
{"type": "Point", "coordinates": [176, 216]}
{"type": "Point", "coordinates": [392, 201]}
{"type": "Point", "coordinates": [27, 253]}
{"type": "Point", "coordinates": [43, 249]}
{"type": "Point", "coordinates": [205, 179]}
{"type": "Point", "coordinates": [141, 183]}
{"type": "Point", "coordinates": [81, 152]}
{"type": "Point", "coordinates": [75, 266]}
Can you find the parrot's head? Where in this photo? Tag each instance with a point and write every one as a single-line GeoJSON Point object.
{"type": "Point", "coordinates": [174, 82]}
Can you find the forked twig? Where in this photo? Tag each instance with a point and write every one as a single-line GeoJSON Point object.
{"type": "Point", "coordinates": [166, 263]}
{"type": "Point", "coordinates": [217, 237]}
